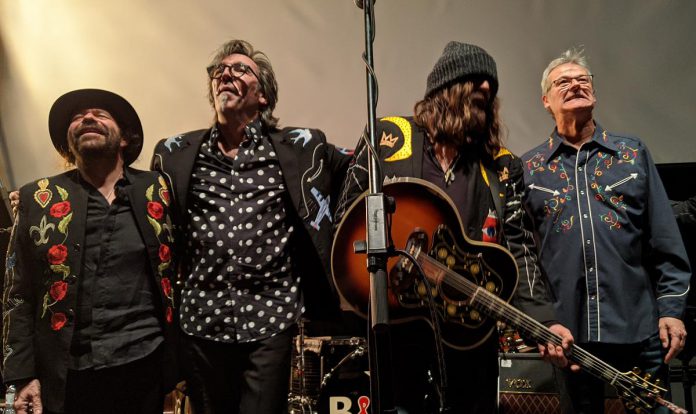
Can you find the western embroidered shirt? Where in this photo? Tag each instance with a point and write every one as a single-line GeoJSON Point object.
{"type": "Point", "coordinates": [608, 239]}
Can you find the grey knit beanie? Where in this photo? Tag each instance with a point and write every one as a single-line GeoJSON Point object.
{"type": "Point", "coordinates": [460, 60]}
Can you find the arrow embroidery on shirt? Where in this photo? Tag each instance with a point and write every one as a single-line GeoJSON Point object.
{"type": "Point", "coordinates": [540, 188]}
{"type": "Point", "coordinates": [633, 176]}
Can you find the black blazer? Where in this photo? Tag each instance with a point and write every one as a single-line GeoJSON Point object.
{"type": "Point", "coordinates": [44, 262]}
{"type": "Point", "coordinates": [310, 167]}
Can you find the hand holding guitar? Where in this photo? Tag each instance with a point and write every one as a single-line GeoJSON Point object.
{"type": "Point", "coordinates": [29, 399]}
{"type": "Point", "coordinates": [467, 279]}
{"type": "Point", "coordinates": [557, 354]}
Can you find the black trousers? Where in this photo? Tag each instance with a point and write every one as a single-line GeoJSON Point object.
{"type": "Point", "coordinates": [472, 376]}
{"type": "Point", "coordinates": [244, 378]}
{"type": "Point", "coordinates": [135, 387]}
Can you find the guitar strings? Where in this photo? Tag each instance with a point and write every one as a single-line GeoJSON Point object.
{"type": "Point", "coordinates": [502, 309]}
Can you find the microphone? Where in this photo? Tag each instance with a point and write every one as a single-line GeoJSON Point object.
{"type": "Point", "coordinates": [361, 3]}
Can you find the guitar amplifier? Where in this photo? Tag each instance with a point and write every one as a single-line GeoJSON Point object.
{"type": "Point", "coordinates": [526, 386]}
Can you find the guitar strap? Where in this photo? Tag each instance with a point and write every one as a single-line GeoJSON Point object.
{"type": "Point", "coordinates": [491, 178]}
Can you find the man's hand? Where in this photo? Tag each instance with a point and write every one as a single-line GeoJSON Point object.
{"type": "Point", "coordinates": [14, 201]}
{"type": "Point", "coordinates": [556, 354]}
{"type": "Point", "coordinates": [29, 397]}
{"type": "Point", "coordinates": [672, 335]}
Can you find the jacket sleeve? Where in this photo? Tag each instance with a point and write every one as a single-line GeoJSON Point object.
{"type": "Point", "coordinates": [19, 302]}
{"type": "Point", "coordinates": [667, 260]}
{"type": "Point", "coordinates": [156, 161]}
{"type": "Point", "coordinates": [532, 295]}
{"type": "Point", "coordinates": [337, 160]}
{"type": "Point", "coordinates": [355, 181]}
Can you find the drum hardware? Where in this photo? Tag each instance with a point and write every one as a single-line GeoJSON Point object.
{"type": "Point", "coordinates": [358, 352]}
{"type": "Point", "coordinates": [324, 369]}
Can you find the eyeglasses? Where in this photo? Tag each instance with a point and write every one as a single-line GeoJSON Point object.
{"type": "Point", "coordinates": [564, 82]}
{"type": "Point", "coordinates": [237, 70]}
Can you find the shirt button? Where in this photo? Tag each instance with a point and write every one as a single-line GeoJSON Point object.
{"type": "Point", "coordinates": [76, 247]}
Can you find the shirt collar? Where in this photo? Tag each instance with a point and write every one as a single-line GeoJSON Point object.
{"type": "Point", "coordinates": [600, 137]}
{"type": "Point", "coordinates": [126, 179]}
{"type": "Point", "coordinates": [253, 131]}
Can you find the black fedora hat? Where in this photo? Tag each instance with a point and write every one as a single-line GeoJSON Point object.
{"type": "Point", "coordinates": [123, 112]}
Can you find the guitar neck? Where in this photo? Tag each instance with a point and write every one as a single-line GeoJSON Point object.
{"type": "Point", "coordinates": [494, 307]}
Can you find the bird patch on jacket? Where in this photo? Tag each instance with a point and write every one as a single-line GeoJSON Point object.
{"type": "Point", "coordinates": [345, 151]}
{"type": "Point", "coordinates": [170, 142]}
{"type": "Point", "coordinates": [490, 227]}
{"type": "Point", "coordinates": [301, 135]}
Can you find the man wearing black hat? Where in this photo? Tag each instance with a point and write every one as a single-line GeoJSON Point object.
{"type": "Point", "coordinates": [88, 304]}
{"type": "Point", "coordinates": [454, 141]}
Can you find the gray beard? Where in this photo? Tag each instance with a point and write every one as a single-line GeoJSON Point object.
{"type": "Point", "coordinates": [223, 99]}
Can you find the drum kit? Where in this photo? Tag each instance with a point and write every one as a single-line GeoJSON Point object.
{"type": "Point", "coordinates": [329, 375]}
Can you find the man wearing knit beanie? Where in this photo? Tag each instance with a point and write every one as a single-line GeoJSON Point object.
{"type": "Point", "coordinates": [460, 60]}
{"type": "Point", "coordinates": [454, 141]}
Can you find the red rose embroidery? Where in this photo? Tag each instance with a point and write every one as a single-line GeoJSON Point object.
{"type": "Point", "coordinates": [166, 286]}
{"type": "Point", "coordinates": [155, 210]}
{"type": "Point", "coordinates": [58, 321]}
{"type": "Point", "coordinates": [57, 254]}
{"type": "Point", "coordinates": [164, 253]}
{"type": "Point", "coordinates": [61, 209]}
{"type": "Point", "coordinates": [58, 290]}
{"type": "Point", "coordinates": [170, 314]}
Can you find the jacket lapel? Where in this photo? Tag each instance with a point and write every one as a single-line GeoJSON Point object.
{"type": "Point", "coordinates": [77, 195]}
{"type": "Point", "coordinates": [287, 158]}
{"type": "Point", "coordinates": [179, 165]}
{"type": "Point", "coordinates": [138, 202]}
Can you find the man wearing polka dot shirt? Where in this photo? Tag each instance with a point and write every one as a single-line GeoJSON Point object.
{"type": "Point", "coordinates": [254, 208]}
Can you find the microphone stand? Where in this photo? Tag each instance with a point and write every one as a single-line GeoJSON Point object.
{"type": "Point", "coordinates": [377, 206]}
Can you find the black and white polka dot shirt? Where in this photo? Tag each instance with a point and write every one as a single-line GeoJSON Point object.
{"type": "Point", "coordinates": [241, 286]}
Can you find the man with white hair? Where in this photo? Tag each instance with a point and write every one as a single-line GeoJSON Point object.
{"type": "Point", "coordinates": [608, 239]}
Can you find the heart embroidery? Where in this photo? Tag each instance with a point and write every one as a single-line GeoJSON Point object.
{"type": "Point", "coordinates": [43, 195]}
{"type": "Point", "coordinates": [164, 195]}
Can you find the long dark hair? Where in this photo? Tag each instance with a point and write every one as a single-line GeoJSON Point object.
{"type": "Point", "coordinates": [447, 115]}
